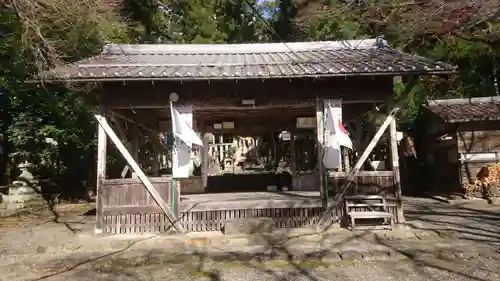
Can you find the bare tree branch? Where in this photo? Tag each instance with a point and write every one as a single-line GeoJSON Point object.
{"type": "Point", "coordinates": [47, 26]}
{"type": "Point", "coordinates": [475, 20]}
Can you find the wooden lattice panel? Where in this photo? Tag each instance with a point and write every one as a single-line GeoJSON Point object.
{"type": "Point", "coordinates": [136, 223]}
{"type": "Point", "coordinates": [200, 221]}
{"type": "Point", "coordinates": [283, 217]}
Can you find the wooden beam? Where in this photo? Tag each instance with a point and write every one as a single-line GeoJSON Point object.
{"type": "Point", "coordinates": [101, 173]}
{"type": "Point", "coordinates": [395, 167]}
{"type": "Point", "coordinates": [125, 118]}
{"type": "Point", "coordinates": [229, 93]}
{"type": "Point", "coordinates": [240, 117]}
{"type": "Point", "coordinates": [149, 187]}
{"type": "Point", "coordinates": [247, 127]}
{"type": "Point", "coordinates": [352, 174]}
{"type": "Point", "coordinates": [231, 104]}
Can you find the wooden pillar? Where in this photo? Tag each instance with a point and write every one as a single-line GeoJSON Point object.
{"type": "Point", "coordinates": [156, 154]}
{"type": "Point", "coordinates": [274, 148]}
{"type": "Point", "coordinates": [204, 153]}
{"type": "Point", "coordinates": [319, 144]}
{"type": "Point", "coordinates": [293, 154]}
{"type": "Point", "coordinates": [395, 168]}
{"type": "Point", "coordinates": [293, 159]}
{"type": "Point", "coordinates": [205, 161]}
{"type": "Point", "coordinates": [134, 131]}
{"type": "Point", "coordinates": [359, 138]}
{"type": "Point", "coordinates": [345, 156]}
{"type": "Point", "coordinates": [101, 172]}
{"type": "Point", "coordinates": [134, 144]}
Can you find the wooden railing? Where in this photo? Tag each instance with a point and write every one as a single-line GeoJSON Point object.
{"type": "Point", "coordinates": [365, 182]}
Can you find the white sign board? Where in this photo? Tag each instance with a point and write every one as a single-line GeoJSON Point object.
{"type": "Point", "coordinates": [286, 136]}
{"type": "Point", "coordinates": [228, 125]}
{"type": "Point", "coordinates": [480, 157]}
{"type": "Point", "coordinates": [306, 122]}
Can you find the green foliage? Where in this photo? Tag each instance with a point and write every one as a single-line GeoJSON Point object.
{"type": "Point", "coordinates": [467, 36]}
{"type": "Point", "coordinates": [214, 21]}
{"type": "Point", "coordinates": [328, 28]}
{"type": "Point", "coordinates": [39, 34]}
{"type": "Point", "coordinates": [49, 125]}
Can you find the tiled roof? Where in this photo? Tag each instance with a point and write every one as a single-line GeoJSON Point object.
{"type": "Point", "coordinates": [239, 61]}
{"type": "Point", "coordinates": [466, 110]}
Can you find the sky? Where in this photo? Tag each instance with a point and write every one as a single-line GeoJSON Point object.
{"type": "Point", "coordinates": [262, 1]}
{"type": "Point", "coordinates": [266, 13]}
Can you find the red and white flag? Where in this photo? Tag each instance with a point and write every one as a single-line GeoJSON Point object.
{"type": "Point", "coordinates": [335, 135]}
{"type": "Point", "coordinates": [340, 134]}
{"type": "Point", "coordinates": [183, 130]}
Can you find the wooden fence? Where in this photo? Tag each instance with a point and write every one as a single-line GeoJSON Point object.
{"type": "Point", "coordinates": [127, 207]}
{"type": "Point", "coordinates": [365, 182]}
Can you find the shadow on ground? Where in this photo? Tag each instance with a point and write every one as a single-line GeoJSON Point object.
{"type": "Point", "coordinates": [475, 222]}
{"type": "Point", "coordinates": [479, 225]}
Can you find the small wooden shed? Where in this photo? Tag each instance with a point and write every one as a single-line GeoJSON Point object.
{"type": "Point", "coordinates": [284, 82]}
{"type": "Point", "coordinates": [458, 137]}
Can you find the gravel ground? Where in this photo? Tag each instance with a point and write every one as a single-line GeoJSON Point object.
{"type": "Point", "coordinates": [475, 222]}
{"type": "Point", "coordinates": [106, 269]}
{"type": "Point", "coordinates": [24, 241]}
{"type": "Point", "coordinates": [25, 233]}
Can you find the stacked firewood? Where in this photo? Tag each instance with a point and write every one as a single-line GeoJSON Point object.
{"type": "Point", "coordinates": [487, 183]}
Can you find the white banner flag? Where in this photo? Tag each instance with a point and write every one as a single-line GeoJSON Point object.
{"type": "Point", "coordinates": [184, 137]}
{"type": "Point", "coordinates": [334, 116]}
{"type": "Point", "coordinates": [335, 135]}
{"type": "Point", "coordinates": [182, 125]}
{"type": "Point", "coordinates": [331, 148]}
